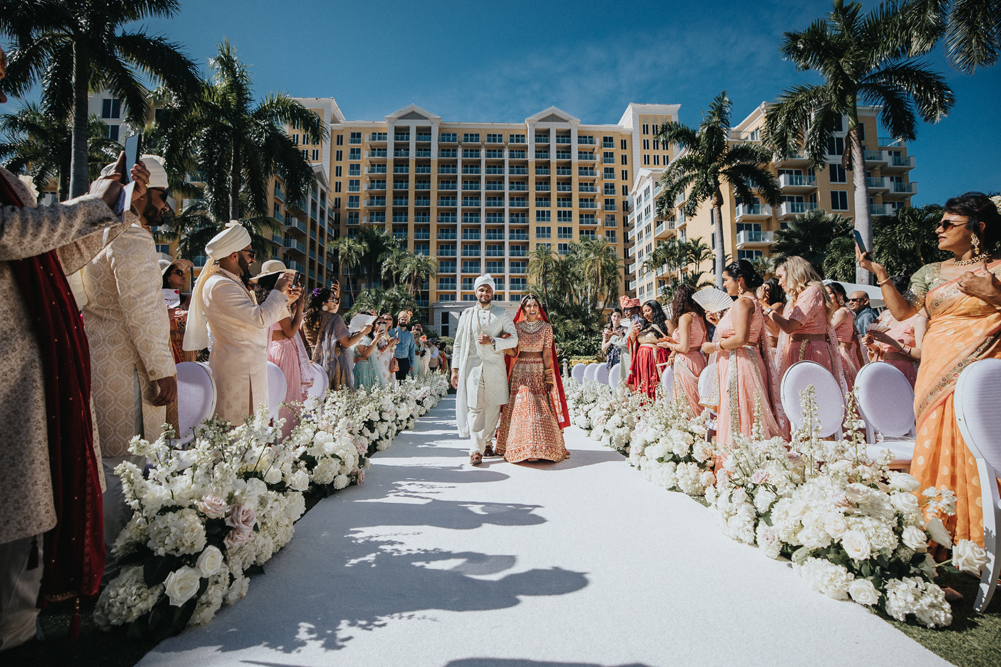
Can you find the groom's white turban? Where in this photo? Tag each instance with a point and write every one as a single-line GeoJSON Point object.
{"type": "Point", "coordinates": [485, 279]}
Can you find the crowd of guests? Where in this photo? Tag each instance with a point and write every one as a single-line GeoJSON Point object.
{"type": "Point", "coordinates": [934, 324]}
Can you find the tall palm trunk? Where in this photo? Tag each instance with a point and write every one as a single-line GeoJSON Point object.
{"type": "Point", "coordinates": [717, 212]}
{"type": "Point", "coordinates": [863, 219]}
{"type": "Point", "coordinates": [78, 161]}
{"type": "Point", "coordinates": [234, 183]}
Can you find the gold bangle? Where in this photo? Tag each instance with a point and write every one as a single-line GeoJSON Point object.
{"type": "Point", "coordinates": [883, 282]}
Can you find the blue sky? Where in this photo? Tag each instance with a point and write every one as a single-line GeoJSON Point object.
{"type": "Point", "coordinates": [504, 61]}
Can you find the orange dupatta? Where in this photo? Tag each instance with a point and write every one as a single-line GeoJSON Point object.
{"type": "Point", "coordinates": [557, 396]}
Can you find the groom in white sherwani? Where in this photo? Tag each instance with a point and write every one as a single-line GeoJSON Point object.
{"type": "Point", "coordinates": [478, 374]}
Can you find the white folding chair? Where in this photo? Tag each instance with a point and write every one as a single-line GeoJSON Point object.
{"type": "Point", "coordinates": [578, 373]}
{"type": "Point", "coordinates": [277, 389]}
{"type": "Point", "coordinates": [589, 372]}
{"type": "Point", "coordinates": [886, 403]}
{"type": "Point", "coordinates": [601, 374]}
{"type": "Point", "coordinates": [706, 378]}
{"type": "Point", "coordinates": [196, 398]}
{"type": "Point", "coordinates": [320, 382]}
{"type": "Point", "coordinates": [614, 376]}
{"type": "Point", "coordinates": [667, 381]}
{"type": "Point", "coordinates": [979, 421]}
{"type": "Point", "coordinates": [830, 402]}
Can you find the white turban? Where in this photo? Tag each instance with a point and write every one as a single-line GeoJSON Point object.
{"type": "Point", "coordinates": [157, 174]}
{"type": "Point", "coordinates": [485, 279]}
{"type": "Point", "coordinates": [232, 239]}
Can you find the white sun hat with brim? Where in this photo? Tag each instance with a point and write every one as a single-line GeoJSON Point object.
{"type": "Point", "coordinates": [270, 268]}
{"type": "Point", "coordinates": [167, 262]}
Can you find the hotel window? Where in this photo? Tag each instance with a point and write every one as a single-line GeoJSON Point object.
{"type": "Point", "coordinates": [305, 154]}
{"type": "Point", "coordinates": [564, 216]}
{"type": "Point", "coordinates": [625, 174]}
{"type": "Point", "coordinates": [111, 108]}
{"type": "Point", "coordinates": [609, 173]}
{"type": "Point", "coordinates": [111, 132]}
{"type": "Point", "coordinates": [354, 185]}
{"type": "Point", "coordinates": [517, 138]}
{"type": "Point", "coordinates": [622, 144]}
{"type": "Point", "coordinates": [838, 174]}
{"type": "Point", "coordinates": [839, 200]}
{"type": "Point", "coordinates": [656, 160]}
{"type": "Point", "coordinates": [543, 216]}
{"type": "Point", "coordinates": [353, 201]}
{"type": "Point", "coordinates": [354, 154]}
{"type": "Point", "coordinates": [495, 138]}
{"type": "Point", "coordinates": [337, 172]}
{"type": "Point", "coordinates": [609, 189]}
{"type": "Point", "coordinates": [471, 138]}
{"type": "Point", "coordinates": [646, 129]}
{"type": "Point", "coordinates": [340, 139]}
{"type": "Point", "coordinates": [354, 170]}
{"type": "Point", "coordinates": [835, 146]}
{"type": "Point", "coordinates": [646, 160]}
{"type": "Point", "coordinates": [543, 232]}
{"type": "Point", "coordinates": [608, 142]}
{"type": "Point", "coordinates": [562, 248]}
{"type": "Point", "coordinates": [337, 186]}
{"type": "Point", "coordinates": [610, 237]}
{"type": "Point", "coordinates": [624, 160]}
{"type": "Point", "coordinates": [339, 156]}
{"type": "Point", "coordinates": [295, 139]}
{"type": "Point", "coordinates": [542, 138]}
{"type": "Point", "coordinates": [355, 138]}
{"type": "Point", "coordinates": [337, 204]}
{"type": "Point", "coordinates": [646, 144]}
{"type": "Point", "coordinates": [564, 232]}
{"type": "Point", "coordinates": [625, 190]}
{"type": "Point", "coordinates": [316, 154]}
{"type": "Point", "coordinates": [518, 284]}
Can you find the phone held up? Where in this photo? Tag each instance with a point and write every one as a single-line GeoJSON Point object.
{"type": "Point", "coordinates": [859, 243]}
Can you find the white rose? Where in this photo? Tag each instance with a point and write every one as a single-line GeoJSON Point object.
{"type": "Point", "coordinates": [835, 524]}
{"type": "Point", "coordinates": [856, 545]}
{"type": "Point", "coordinates": [210, 561]}
{"type": "Point", "coordinates": [905, 502]}
{"type": "Point", "coordinates": [300, 480]}
{"type": "Point", "coordinates": [938, 532]}
{"type": "Point", "coordinates": [213, 507]}
{"type": "Point", "coordinates": [863, 592]}
{"type": "Point", "coordinates": [273, 475]}
{"type": "Point", "coordinates": [341, 481]}
{"type": "Point", "coordinates": [901, 481]}
{"type": "Point", "coordinates": [857, 492]}
{"type": "Point", "coordinates": [739, 496]}
{"type": "Point", "coordinates": [968, 557]}
{"type": "Point", "coordinates": [915, 538]}
{"type": "Point", "coordinates": [181, 585]}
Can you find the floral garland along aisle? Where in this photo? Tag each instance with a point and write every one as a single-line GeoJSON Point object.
{"type": "Point", "coordinates": [852, 528]}
{"type": "Point", "coordinates": [206, 515]}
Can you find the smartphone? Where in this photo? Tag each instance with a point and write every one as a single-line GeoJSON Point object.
{"type": "Point", "coordinates": [859, 243]}
{"type": "Point", "coordinates": [298, 277]}
{"type": "Point", "coordinates": [131, 155]}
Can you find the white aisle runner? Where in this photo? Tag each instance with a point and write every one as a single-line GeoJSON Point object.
{"type": "Point", "coordinates": [431, 562]}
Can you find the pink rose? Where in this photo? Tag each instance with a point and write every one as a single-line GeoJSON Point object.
{"type": "Point", "coordinates": [236, 537]}
{"type": "Point", "coordinates": [793, 457]}
{"type": "Point", "coordinates": [242, 518]}
{"type": "Point", "coordinates": [759, 477]}
{"type": "Point", "coordinates": [361, 446]}
{"type": "Point", "coordinates": [361, 476]}
{"type": "Point", "coordinates": [213, 507]}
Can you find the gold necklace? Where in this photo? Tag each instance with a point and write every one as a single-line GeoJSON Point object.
{"type": "Point", "coordinates": [532, 327]}
{"type": "Point", "coordinates": [971, 261]}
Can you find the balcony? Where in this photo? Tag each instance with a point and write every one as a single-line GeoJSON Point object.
{"type": "Point", "coordinates": [293, 245]}
{"type": "Point", "coordinates": [292, 264]}
{"type": "Point", "coordinates": [375, 185]}
{"type": "Point", "coordinates": [881, 209]}
{"type": "Point", "coordinates": [790, 209]}
{"type": "Point", "coordinates": [753, 239]}
{"type": "Point", "coordinates": [797, 183]}
{"type": "Point", "coordinates": [887, 141]}
{"type": "Point", "coordinates": [756, 212]}
{"type": "Point", "coordinates": [375, 201]}
{"type": "Point", "coordinates": [797, 158]}
{"type": "Point", "coordinates": [879, 183]}
{"type": "Point", "coordinates": [376, 153]}
{"type": "Point", "coordinates": [876, 156]}
{"type": "Point", "coordinates": [401, 152]}
{"type": "Point", "coordinates": [902, 189]}
{"type": "Point", "coordinates": [899, 163]}
{"type": "Point", "coordinates": [447, 202]}
{"type": "Point", "coordinates": [422, 235]}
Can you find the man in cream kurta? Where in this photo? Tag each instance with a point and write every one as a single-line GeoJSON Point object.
{"type": "Point", "coordinates": [479, 374]}
{"type": "Point", "coordinates": [239, 324]}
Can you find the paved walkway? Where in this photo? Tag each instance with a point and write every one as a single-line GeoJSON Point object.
{"type": "Point", "coordinates": [583, 563]}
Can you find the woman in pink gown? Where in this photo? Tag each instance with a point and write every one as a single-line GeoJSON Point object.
{"type": "Point", "coordinates": [844, 328]}
{"type": "Point", "coordinates": [686, 343]}
{"type": "Point", "coordinates": [805, 323]}
{"type": "Point", "coordinates": [896, 345]}
{"type": "Point", "coordinates": [746, 379]}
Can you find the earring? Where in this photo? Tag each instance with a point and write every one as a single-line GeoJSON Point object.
{"type": "Point", "coordinates": [976, 245]}
{"type": "Point", "coordinates": [325, 309]}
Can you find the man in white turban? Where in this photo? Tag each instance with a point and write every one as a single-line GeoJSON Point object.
{"type": "Point", "coordinates": [221, 301]}
{"type": "Point", "coordinates": [478, 374]}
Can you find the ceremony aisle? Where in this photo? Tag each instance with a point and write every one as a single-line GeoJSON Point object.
{"type": "Point", "coordinates": [431, 562]}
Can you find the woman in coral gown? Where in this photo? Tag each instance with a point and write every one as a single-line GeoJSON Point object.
{"type": "Point", "coordinates": [745, 377]}
{"type": "Point", "coordinates": [962, 297]}
{"type": "Point", "coordinates": [532, 422]}
{"type": "Point", "coordinates": [897, 345]}
{"type": "Point", "coordinates": [686, 343]}
{"type": "Point", "coordinates": [650, 359]}
{"type": "Point", "coordinates": [849, 346]}
{"type": "Point", "coordinates": [805, 323]}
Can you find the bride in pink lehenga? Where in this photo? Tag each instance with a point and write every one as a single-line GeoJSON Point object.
{"type": "Point", "coordinates": [745, 376]}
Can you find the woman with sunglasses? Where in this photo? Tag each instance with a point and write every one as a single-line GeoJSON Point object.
{"type": "Point", "coordinates": [962, 298]}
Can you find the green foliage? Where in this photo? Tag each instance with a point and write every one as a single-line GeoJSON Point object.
{"type": "Point", "coordinates": [809, 236]}
{"type": "Point", "coordinates": [906, 241]}
{"type": "Point", "coordinates": [382, 301]}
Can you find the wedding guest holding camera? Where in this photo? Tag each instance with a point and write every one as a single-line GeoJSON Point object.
{"type": "Point", "coordinates": [895, 342]}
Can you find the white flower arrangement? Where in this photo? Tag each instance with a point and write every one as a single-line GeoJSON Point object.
{"type": "Point", "coordinates": [669, 447]}
{"type": "Point", "coordinates": [205, 515]}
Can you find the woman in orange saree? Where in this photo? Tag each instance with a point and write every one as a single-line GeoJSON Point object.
{"type": "Point", "coordinates": [963, 299]}
{"type": "Point", "coordinates": [746, 378]}
{"type": "Point", "coordinates": [686, 343]}
{"type": "Point", "coordinates": [532, 422]}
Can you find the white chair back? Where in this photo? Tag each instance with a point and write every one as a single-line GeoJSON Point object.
{"type": "Point", "coordinates": [320, 382]}
{"type": "Point", "coordinates": [667, 381]}
{"type": "Point", "coordinates": [614, 376]}
{"type": "Point", "coordinates": [590, 371]}
{"type": "Point", "coordinates": [196, 398]}
{"type": "Point", "coordinates": [578, 373]}
{"type": "Point", "coordinates": [830, 403]}
{"type": "Point", "coordinates": [979, 421]}
{"type": "Point", "coordinates": [885, 399]}
{"type": "Point", "coordinates": [705, 378]}
{"type": "Point", "coordinates": [277, 389]}
{"type": "Point", "coordinates": [601, 374]}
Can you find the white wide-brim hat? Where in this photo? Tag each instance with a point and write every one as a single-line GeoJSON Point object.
{"type": "Point", "coordinates": [271, 267]}
{"type": "Point", "coordinates": [167, 262]}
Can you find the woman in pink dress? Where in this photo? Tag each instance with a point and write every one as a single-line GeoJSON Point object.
{"type": "Point", "coordinates": [746, 379]}
{"type": "Point", "coordinates": [805, 323]}
{"type": "Point", "coordinates": [686, 342]}
{"type": "Point", "coordinates": [843, 322]}
{"type": "Point", "coordinates": [897, 345]}
{"type": "Point", "coordinates": [532, 422]}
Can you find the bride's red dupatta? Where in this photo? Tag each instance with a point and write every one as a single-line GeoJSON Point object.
{"type": "Point", "coordinates": [557, 396]}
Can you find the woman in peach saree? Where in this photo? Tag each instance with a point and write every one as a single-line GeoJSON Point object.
{"type": "Point", "coordinates": [746, 378]}
{"type": "Point", "coordinates": [843, 323]}
{"type": "Point", "coordinates": [962, 297]}
{"type": "Point", "coordinates": [686, 343]}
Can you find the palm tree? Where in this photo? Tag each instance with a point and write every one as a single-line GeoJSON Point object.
{"type": "Point", "coordinates": [863, 59]}
{"type": "Point", "coordinates": [239, 146]}
{"type": "Point", "coordinates": [543, 264]}
{"type": "Point", "coordinates": [809, 236]}
{"type": "Point", "coordinates": [971, 28]}
{"type": "Point", "coordinates": [75, 47]}
{"type": "Point", "coordinates": [697, 252]}
{"type": "Point", "coordinates": [906, 241]}
{"type": "Point", "coordinates": [194, 226]}
{"type": "Point", "coordinates": [417, 270]}
{"type": "Point", "coordinates": [599, 269]}
{"type": "Point", "coordinates": [706, 163]}
{"type": "Point", "coordinates": [350, 253]}
{"type": "Point", "coordinates": [43, 145]}
{"type": "Point", "coordinates": [384, 301]}
{"type": "Point", "coordinates": [671, 253]}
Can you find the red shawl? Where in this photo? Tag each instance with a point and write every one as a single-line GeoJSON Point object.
{"type": "Point", "coordinates": [557, 395]}
{"type": "Point", "coordinates": [74, 549]}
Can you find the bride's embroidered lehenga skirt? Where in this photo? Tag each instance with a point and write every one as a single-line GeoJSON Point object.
{"type": "Point", "coordinates": [528, 427]}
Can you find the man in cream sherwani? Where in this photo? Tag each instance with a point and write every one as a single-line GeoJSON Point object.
{"type": "Point", "coordinates": [479, 375]}
{"type": "Point", "coordinates": [222, 302]}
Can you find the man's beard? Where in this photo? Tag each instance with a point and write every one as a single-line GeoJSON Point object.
{"type": "Point", "coordinates": [485, 299]}
{"type": "Point", "coordinates": [152, 214]}
{"type": "Point", "coordinates": [244, 269]}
